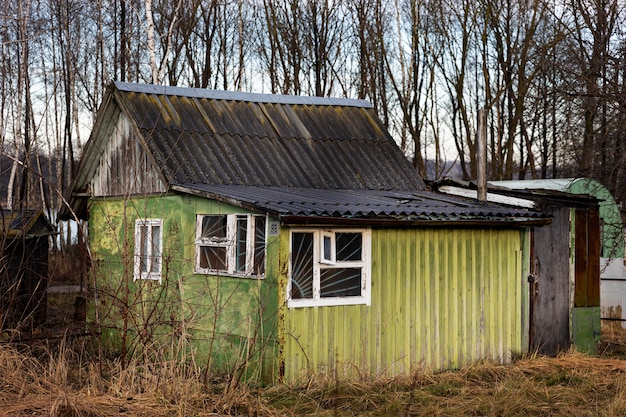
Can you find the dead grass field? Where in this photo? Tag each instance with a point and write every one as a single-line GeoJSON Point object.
{"type": "Point", "coordinates": [60, 380]}
{"type": "Point", "coordinates": [53, 372]}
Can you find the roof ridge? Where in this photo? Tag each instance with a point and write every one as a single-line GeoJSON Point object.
{"type": "Point", "coordinates": [239, 95]}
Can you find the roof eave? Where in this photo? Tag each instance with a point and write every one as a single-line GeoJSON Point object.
{"type": "Point", "coordinates": [294, 220]}
{"type": "Point", "coordinates": [221, 198]}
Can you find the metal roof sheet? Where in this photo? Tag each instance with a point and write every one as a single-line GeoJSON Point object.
{"type": "Point", "coordinates": [238, 96]}
{"type": "Point", "coordinates": [292, 156]}
{"type": "Point", "coordinates": [556, 184]}
{"type": "Point", "coordinates": [210, 137]}
{"type": "Point", "coordinates": [402, 205]}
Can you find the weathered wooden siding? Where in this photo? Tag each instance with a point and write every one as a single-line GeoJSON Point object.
{"type": "Point", "coordinates": [124, 168]}
{"type": "Point", "coordinates": [550, 322]}
{"type": "Point", "coordinates": [441, 298]}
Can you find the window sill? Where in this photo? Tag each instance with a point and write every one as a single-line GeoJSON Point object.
{"type": "Point", "coordinates": [228, 274]}
{"type": "Point", "coordinates": [328, 302]}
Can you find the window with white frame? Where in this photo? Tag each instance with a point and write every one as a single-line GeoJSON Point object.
{"type": "Point", "coordinates": [148, 247]}
{"type": "Point", "coordinates": [232, 244]}
{"type": "Point", "coordinates": [329, 267]}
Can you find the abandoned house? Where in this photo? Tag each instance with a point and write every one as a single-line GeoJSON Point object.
{"type": "Point", "coordinates": [288, 236]}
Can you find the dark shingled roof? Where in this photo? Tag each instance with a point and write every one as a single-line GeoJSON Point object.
{"type": "Point", "coordinates": [295, 157]}
{"type": "Point", "coordinates": [215, 137]}
{"type": "Point", "coordinates": [24, 223]}
{"type": "Point", "coordinates": [414, 206]}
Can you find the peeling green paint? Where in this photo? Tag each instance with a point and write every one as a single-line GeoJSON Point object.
{"type": "Point", "coordinates": [586, 330]}
{"type": "Point", "coordinates": [230, 321]}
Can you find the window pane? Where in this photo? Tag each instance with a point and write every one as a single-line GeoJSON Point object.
{"type": "Point", "coordinates": [301, 265]}
{"type": "Point", "coordinates": [348, 246]}
{"type": "Point", "coordinates": [155, 254]}
{"type": "Point", "coordinates": [213, 257]}
{"type": "Point", "coordinates": [143, 256]}
{"type": "Point", "coordinates": [214, 227]}
{"type": "Point", "coordinates": [240, 246]}
{"type": "Point", "coordinates": [259, 245]}
{"type": "Point", "coordinates": [341, 282]}
{"type": "Point", "coordinates": [326, 247]}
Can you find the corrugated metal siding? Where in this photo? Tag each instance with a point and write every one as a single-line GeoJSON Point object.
{"type": "Point", "coordinates": [441, 298]}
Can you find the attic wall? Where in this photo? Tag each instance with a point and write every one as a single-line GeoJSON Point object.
{"type": "Point", "coordinates": [124, 168]}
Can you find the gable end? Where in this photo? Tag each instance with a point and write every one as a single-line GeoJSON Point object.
{"type": "Point", "coordinates": [124, 167]}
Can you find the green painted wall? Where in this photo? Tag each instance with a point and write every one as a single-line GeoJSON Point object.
{"type": "Point", "coordinates": [586, 331]}
{"type": "Point", "coordinates": [441, 298]}
{"type": "Point", "coordinates": [612, 227]}
{"type": "Point", "coordinates": [227, 323]}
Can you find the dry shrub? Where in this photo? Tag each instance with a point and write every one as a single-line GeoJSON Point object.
{"type": "Point", "coordinates": [66, 382]}
{"type": "Point", "coordinates": [68, 266]}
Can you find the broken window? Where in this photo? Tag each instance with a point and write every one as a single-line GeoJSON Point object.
{"type": "Point", "coordinates": [232, 244]}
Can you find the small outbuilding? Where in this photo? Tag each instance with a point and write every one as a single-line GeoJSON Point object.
{"type": "Point", "coordinates": [566, 256]}
{"type": "Point", "coordinates": [282, 236]}
{"type": "Point", "coordinates": [611, 268]}
{"type": "Point", "coordinates": [24, 245]}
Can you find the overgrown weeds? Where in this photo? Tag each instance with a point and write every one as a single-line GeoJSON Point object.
{"type": "Point", "coordinates": [67, 381]}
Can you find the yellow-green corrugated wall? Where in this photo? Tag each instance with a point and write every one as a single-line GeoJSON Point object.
{"type": "Point", "coordinates": [441, 298]}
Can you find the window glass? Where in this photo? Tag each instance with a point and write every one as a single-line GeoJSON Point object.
{"type": "Point", "coordinates": [259, 245]}
{"type": "Point", "coordinates": [143, 255]}
{"type": "Point", "coordinates": [340, 282]}
{"type": "Point", "coordinates": [241, 243]}
{"type": "Point", "coordinates": [327, 247]}
{"type": "Point", "coordinates": [302, 265]}
{"type": "Point", "coordinates": [214, 227]}
{"type": "Point", "coordinates": [348, 246]}
{"type": "Point", "coordinates": [155, 259]}
{"type": "Point", "coordinates": [213, 257]}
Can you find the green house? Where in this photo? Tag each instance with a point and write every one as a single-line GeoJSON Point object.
{"type": "Point", "coordinates": [283, 236]}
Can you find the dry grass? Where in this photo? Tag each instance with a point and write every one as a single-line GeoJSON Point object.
{"type": "Point", "coordinates": [64, 381]}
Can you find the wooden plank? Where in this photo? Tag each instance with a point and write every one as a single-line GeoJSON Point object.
{"type": "Point", "coordinates": [580, 258]}
{"type": "Point", "coordinates": [593, 264]}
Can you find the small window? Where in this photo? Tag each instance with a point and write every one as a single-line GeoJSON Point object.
{"type": "Point", "coordinates": [328, 248]}
{"type": "Point", "coordinates": [231, 244]}
{"type": "Point", "coordinates": [329, 268]}
{"type": "Point", "coordinates": [148, 246]}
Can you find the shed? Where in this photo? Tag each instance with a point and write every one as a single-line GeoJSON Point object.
{"type": "Point", "coordinates": [23, 267]}
{"type": "Point", "coordinates": [565, 258]}
{"type": "Point", "coordinates": [611, 263]}
{"type": "Point", "coordinates": [282, 236]}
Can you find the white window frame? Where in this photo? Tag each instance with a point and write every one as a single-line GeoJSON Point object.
{"type": "Point", "coordinates": [230, 243]}
{"type": "Point", "coordinates": [319, 263]}
{"type": "Point", "coordinates": [148, 275]}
